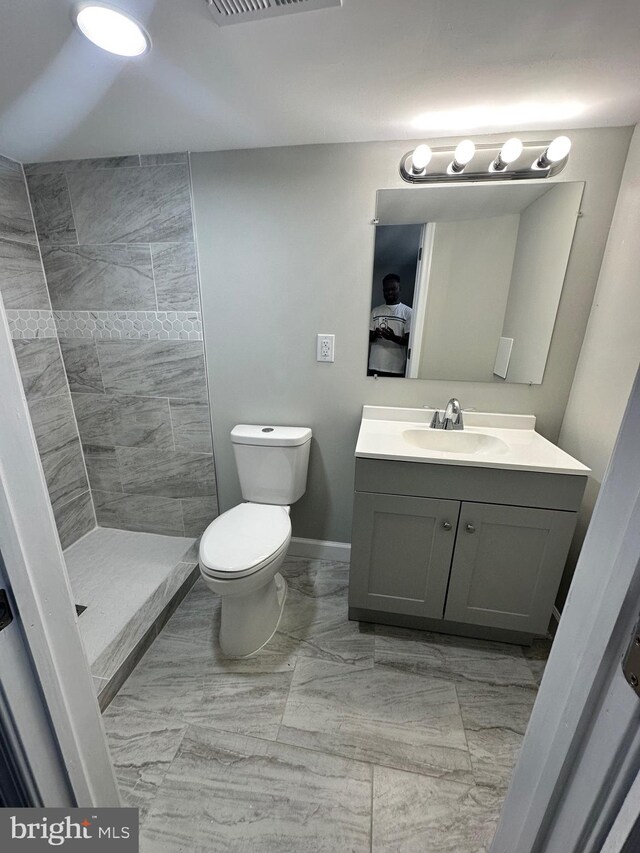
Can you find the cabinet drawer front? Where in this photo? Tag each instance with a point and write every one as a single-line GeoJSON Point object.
{"type": "Point", "coordinates": [507, 566]}
{"type": "Point", "coordinates": [401, 553]}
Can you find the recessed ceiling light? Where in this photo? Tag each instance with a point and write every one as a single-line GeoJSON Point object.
{"type": "Point", "coordinates": [111, 29]}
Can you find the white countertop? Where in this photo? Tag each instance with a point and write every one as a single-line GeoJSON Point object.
{"type": "Point", "coordinates": [388, 432]}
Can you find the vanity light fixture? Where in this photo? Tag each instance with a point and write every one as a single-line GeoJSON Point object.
{"type": "Point", "coordinates": [111, 29]}
{"type": "Point", "coordinates": [558, 149]}
{"type": "Point", "coordinates": [509, 153]}
{"type": "Point", "coordinates": [512, 160]}
{"type": "Point", "coordinates": [463, 156]}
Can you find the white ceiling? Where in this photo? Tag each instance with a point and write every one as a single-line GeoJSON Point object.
{"type": "Point", "coordinates": [363, 72]}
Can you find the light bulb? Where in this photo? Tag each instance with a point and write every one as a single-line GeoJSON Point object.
{"type": "Point", "coordinates": [511, 150]}
{"type": "Point", "coordinates": [420, 159]}
{"type": "Point", "coordinates": [558, 149]}
{"type": "Point", "coordinates": [111, 29]}
{"type": "Point", "coordinates": [464, 154]}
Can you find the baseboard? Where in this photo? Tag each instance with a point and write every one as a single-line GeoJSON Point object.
{"type": "Point", "coordinates": [320, 549]}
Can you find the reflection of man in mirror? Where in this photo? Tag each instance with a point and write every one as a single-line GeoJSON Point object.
{"type": "Point", "coordinates": [389, 331]}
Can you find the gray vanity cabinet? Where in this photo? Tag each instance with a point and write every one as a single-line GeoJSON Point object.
{"type": "Point", "coordinates": [460, 549]}
{"type": "Point", "coordinates": [403, 546]}
{"type": "Point", "coordinates": [504, 569]}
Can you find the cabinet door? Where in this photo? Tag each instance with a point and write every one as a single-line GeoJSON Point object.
{"type": "Point", "coordinates": [401, 553]}
{"type": "Point", "coordinates": [507, 565]}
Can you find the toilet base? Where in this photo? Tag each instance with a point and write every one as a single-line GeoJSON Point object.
{"type": "Point", "coordinates": [249, 621]}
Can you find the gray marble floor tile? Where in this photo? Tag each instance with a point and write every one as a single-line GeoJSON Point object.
{"type": "Point", "coordinates": [142, 422]}
{"type": "Point", "coordinates": [198, 513]}
{"type": "Point", "coordinates": [82, 366]}
{"type": "Point", "coordinates": [59, 446]}
{"type": "Point", "coordinates": [191, 425]}
{"type": "Point", "coordinates": [52, 212]}
{"type": "Point", "coordinates": [164, 159]}
{"type": "Point", "coordinates": [166, 473]}
{"type": "Point", "coordinates": [102, 468]}
{"type": "Point", "coordinates": [142, 746]}
{"type": "Point", "coordinates": [74, 519]}
{"type": "Point", "coordinates": [16, 222]}
{"type": "Point", "coordinates": [379, 715]}
{"type": "Point", "coordinates": [315, 621]}
{"type": "Point", "coordinates": [418, 814]}
{"type": "Point", "coordinates": [240, 794]}
{"type": "Point", "coordinates": [81, 165]}
{"type": "Point", "coordinates": [41, 367]}
{"type": "Point", "coordinates": [450, 657]}
{"type": "Point", "coordinates": [21, 278]}
{"type": "Point", "coordinates": [154, 368]}
{"type": "Point", "coordinates": [132, 205]}
{"type": "Point", "coordinates": [537, 655]}
{"type": "Point", "coordinates": [495, 719]}
{"type": "Point", "coordinates": [94, 413]}
{"type": "Point", "coordinates": [176, 277]}
{"type": "Point", "coordinates": [144, 513]}
{"type": "Point", "coordinates": [100, 278]}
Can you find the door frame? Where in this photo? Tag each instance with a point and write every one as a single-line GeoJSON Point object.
{"type": "Point", "coordinates": [39, 587]}
{"type": "Point", "coordinates": [581, 751]}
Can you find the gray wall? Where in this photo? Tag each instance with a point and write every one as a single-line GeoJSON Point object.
{"type": "Point", "coordinates": [611, 351]}
{"type": "Point", "coordinates": [35, 341]}
{"type": "Point", "coordinates": [118, 250]}
{"type": "Point", "coordinates": [285, 243]}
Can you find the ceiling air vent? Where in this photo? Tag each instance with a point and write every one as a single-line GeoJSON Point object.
{"type": "Point", "coordinates": [238, 11]}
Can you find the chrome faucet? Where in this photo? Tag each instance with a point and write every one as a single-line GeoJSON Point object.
{"type": "Point", "coordinates": [451, 418]}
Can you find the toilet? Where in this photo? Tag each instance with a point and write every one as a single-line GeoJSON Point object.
{"type": "Point", "coordinates": [242, 550]}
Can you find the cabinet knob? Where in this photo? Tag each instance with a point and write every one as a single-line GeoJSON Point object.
{"type": "Point", "coordinates": [470, 528]}
{"type": "Point", "coordinates": [446, 525]}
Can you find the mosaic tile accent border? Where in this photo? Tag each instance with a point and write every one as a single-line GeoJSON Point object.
{"type": "Point", "coordinates": [130, 325]}
{"type": "Point", "coordinates": [24, 324]}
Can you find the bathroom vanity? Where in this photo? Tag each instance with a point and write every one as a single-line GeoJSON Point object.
{"type": "Point", "coordinates": [465, 532]}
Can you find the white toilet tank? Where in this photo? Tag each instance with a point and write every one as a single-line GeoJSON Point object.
{"type": "Point", "coordinates": [272, 462]}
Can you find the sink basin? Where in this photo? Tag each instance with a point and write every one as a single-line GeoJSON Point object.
{"type": "Point", "coordinates": [454, 441]}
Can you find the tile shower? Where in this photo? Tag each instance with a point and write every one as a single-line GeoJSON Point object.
{"type": "Point", "coordinates": [99, 279]}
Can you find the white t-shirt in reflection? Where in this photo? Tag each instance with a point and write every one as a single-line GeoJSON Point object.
{"type": "Point", "coordinates": [388, 356]}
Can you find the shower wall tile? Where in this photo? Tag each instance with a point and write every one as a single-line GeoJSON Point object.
{"type": "Point", "coordinates": [52, 212]}
{"type": "Point", "coordinates": [164, 159]}
{"type": "Point", "coordinates": [150, 205]}
{"type": "Point", "coordinates": [41, 367]}
{"type": "Point", "coordinates": [81, 364]}
{"type": "Point", "coordinates": [60, 450]}
{"type": "Point", "coordinates": [16, 222]}
{"type": "Point", "coordinates": [21, 278]}
{"type": "Point", "coordinates": [94, 413]}
{"type": "Point", "coordinates": [171, 474]}
{"type": "Point", "coordinates": [198, 513]}
{"type": "Point", "coordinates": [154, 368]}
{"type": "Point", "coordinates": [27, 324]}
{"type": "Point", "coordinates": [74, 519]}
{"type": "Point", "coordinates": [174, 268]}
{"type": "Point", "coordinates": [98, 278]}
{"type": "Point", "coordinates": [81, 165]}
{"type": "Point", "coordinates": [145, 513]}
{"type": "Point", "coordinates": [142, 422]}
{"type": "Point", "coordinates": [102, 468]}
{"type": "Point", "coordinates": [191, 425]}
{"type": "Point", "coordinates": [130, 325]}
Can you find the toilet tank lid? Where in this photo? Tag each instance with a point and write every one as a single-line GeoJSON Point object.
{"type": "Point", "coordinates": [275, 436]}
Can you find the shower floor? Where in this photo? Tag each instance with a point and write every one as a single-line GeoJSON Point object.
{"type": "Point", "coordinates": [126, 581]}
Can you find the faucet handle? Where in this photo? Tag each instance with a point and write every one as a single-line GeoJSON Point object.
{"type": "Point", "coordinates": [436, 421]}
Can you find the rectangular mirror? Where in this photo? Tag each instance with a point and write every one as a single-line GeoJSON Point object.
{"type": "Point", "coordinates": [467, 279]}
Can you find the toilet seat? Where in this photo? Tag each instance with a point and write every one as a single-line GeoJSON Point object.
{"type": "Point", "coordinates": [244, 539]}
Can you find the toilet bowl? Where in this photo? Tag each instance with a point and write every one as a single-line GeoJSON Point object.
{"type": "Point", "coordinates": [242, 550]}
{"type": "Point", "coordinates": [240, 554]}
